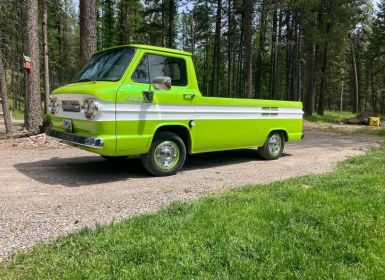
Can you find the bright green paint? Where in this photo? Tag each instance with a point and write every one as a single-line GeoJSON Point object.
{"type": "Point", "coordinates": [135, 137]}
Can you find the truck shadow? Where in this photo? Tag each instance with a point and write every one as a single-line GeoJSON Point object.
{"type": "Point", "coordinates": [81, 171]}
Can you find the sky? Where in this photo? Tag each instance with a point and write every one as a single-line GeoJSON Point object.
{"type": "Point", "coordinates": [375, 3]}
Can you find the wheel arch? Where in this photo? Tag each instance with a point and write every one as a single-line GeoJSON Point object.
{"type": "Point", "coordinates": [181, 130]}
{"type": "Point", "coordinates": [281, 130]}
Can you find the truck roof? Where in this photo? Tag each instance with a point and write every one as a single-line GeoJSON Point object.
{"type": "Point", "coordinates": [147, 47]}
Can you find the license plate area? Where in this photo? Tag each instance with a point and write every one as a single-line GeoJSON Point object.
{"type": "Point", "coordinates": [67, 124]}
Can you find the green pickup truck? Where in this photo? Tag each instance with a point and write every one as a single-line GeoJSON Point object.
{"type": "Point", "coordinates": [144, 100]}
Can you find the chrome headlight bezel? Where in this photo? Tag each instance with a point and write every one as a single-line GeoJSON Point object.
{"type": "Point", "coordinates": [90, 108]}
{"type": "Point", "coordinates": [54, 105]}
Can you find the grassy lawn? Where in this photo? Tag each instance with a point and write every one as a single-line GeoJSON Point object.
{"type": "Point", "coordinates": [328, 226]}
{"type": "Point", "coordinates": [331, 117]}
{"type": "Point", "coordinates": [18, 115]}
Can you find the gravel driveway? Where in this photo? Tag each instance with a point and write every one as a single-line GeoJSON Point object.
{"type": "Point", "coordinates": [48, 192]}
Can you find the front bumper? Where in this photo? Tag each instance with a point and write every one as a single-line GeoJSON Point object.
{"type": "Point", "coordinates": [77, 140]}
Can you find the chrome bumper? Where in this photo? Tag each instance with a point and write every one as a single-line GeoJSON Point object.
{"type": "Point", "coordinates": [77, 140]}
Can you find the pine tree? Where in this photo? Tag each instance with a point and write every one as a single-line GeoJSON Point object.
{"type": "Point", "coordinates": [87, 30]}
{"type": "Point", "coordinates": [248, 14]}
{"type": "Point", "coordinates": [32, 100]}
{"type": "Point", "coordinates": [4, 98]}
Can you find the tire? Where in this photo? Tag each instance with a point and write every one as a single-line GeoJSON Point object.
{"type": "Point", "coordinates": [273, 147]}
{"type": "Point", "coordinates": [166, 156]}
{"type": "Point", "coordinates": [114, 159]}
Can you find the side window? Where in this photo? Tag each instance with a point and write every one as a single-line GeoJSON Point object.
{"type": "Point", "coordinates": [141, 74]}
{"type": "Point", "coordinates": [153, 66]}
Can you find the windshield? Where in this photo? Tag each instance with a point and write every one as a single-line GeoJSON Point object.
{"type": "Point", "coordinates": [106, 66]}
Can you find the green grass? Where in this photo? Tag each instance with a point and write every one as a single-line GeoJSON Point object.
{"type": "Point", "coordinates": [18, 115]}
{"type": "Point", "coordinates": [330, 117]}
{"type": "Point", "coordinates": [328, 226]}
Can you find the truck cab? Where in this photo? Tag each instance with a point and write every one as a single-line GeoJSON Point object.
{"type": "Point", "coordinates": [145, 100]}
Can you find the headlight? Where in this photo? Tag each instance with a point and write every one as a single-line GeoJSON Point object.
{"type": "Point", "coordinates": [54, 106]}
{"type": "Point", "coordinates": [90, 108]}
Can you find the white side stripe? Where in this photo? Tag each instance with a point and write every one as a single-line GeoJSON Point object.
{"type": "Point", "coordinates": [158, 112]}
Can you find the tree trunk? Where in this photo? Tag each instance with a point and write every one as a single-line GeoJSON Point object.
{"type": "Point", "coordinates": [295, 58]}
{"type": "Point", "coordinates": [261, 51]}
{"type": "Point", "coordinates": [229, 49]}
{"type": "Point", "coordinates": [277, 68]}
{"type": "Point", "coordinates": [367, 84]}
{"type": "Point", "coordinates": [248, 14]}
{"type": "Point", "coordinates": [342, 96]}
{"type": "Point", "coordinates": [171, 23]}
{"type": "Point", "coordinates": [87, 30]}
{"type": "Point", "coordinates": [240, 68]}
{"type": "Point", "coordinates": [32, 106]}
{"type": "Point", "coordinates": [273, 62]}
{"type": "Point", "coordinates": [355, 79]}
{"type": "Point", "coordinates": [325, 59]}
{"type": "Point", "coordinates": [217, 50]}
{"type": "Point", "coordinates": [14, 92]}
{"type": "Point", "coordinates": [192, 35]}
{"type": "Point", "coordinates": [108, 23]}
{"type": "Point", "coordinates": [309, 108]}
{"type": "Point", "coordinates": [289, 55]}
{"type": "Point", "coordinates": [124, 23]}
{"type": "Point", "coordinates": [46, 61]}
{"type": "Point", "coordinates": [4, 98]}
{"type": "Point", "coordinates": [299, 71]}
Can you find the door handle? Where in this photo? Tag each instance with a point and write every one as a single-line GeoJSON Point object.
{"type": "Point", "coordinates": [148, 96]}
{"type": "Point", "coordinates": [189, 95]}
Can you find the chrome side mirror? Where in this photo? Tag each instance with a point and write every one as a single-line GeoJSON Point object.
{"type": "Point", "coordinates": [161, 83]}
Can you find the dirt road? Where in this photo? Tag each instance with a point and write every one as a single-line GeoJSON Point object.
{"type": "Point", "coordinates": [48, 192]}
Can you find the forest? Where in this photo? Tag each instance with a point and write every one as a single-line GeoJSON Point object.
{"type": "Point", "coordinates": [328, 54]}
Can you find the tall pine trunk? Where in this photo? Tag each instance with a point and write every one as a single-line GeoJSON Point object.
{"type": "Point", "coordinates": [229, 49]}
{"type": "Point", "coordinates": [4, 98]}
{"type": "Point", "coordinates": [296, 52]}
{"type": "Point", "coordinates": [289, 53]}
{"type": "Point", "coordinates": [171, 23]}
{"type": "Point", "coordinates": [325, 60]}
{"type": "Point", "coordinates": [277, 64]}
{"type": "Point", "coordinates": [46, 59]}
{"type": "Point", "coordinates": [32, 105]}
{"type": "Point", "coordinates": [273, 57]}
{"type": "Point", "coordinates": [87, 30]}
{"type": "Point", "coordinates": [124, 23]}
{"type": "Point", "coordinates": [261, 51]}
{"type": "Point", "coordinates": [217, 50]}
{"type": "Point", "coordinates": [248, 17]}
{"type": "Point", "coordinates": [310, 94]}
{"type": "Point", "coordinates": [355, 78]}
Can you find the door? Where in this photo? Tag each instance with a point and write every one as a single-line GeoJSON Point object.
{"type": "Point", "coordinates": [137, 120]}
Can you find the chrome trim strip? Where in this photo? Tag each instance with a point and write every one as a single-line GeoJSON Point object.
{"type": "Point", "coordinates": [77, 140]}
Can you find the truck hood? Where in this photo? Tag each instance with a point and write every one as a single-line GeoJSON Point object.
{"type": "Point", "coordinates": [105, 91]}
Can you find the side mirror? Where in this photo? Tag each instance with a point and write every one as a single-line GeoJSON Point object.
{"type": "Point", "coordinates": [161, 83]}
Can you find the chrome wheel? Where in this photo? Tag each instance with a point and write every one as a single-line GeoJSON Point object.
{"type": "Point", "coordinates": [166, 155]}
{"type": "Point", "coordinates": [275, 145]}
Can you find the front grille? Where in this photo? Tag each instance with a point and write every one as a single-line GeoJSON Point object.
{"type": "Point", "coordinates": [71, 106]}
